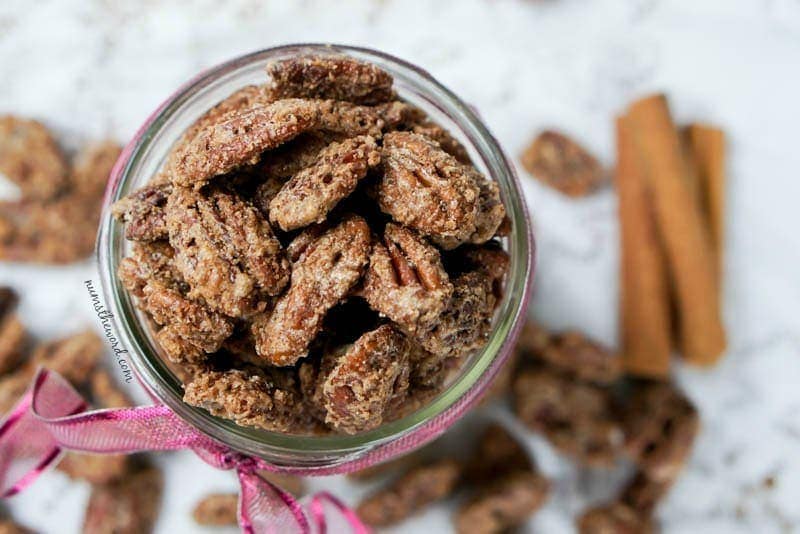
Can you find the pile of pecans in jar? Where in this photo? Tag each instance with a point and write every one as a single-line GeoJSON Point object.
{"type": "Point", "coordinates": [316, 254]}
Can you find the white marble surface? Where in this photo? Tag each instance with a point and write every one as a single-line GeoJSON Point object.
{"type": "Point", "coordinates": [96, 68]}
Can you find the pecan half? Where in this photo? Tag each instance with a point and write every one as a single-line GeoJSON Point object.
{"type": "Point", "coordinates": [263, 398]}
{"type": "Point", "coordinates": [225, 250]}
{"type": "Point", "coordinates": [217, 510]}
{"type": "Point", "coordinates": [418, 488]}
{"type": "Point", "coordinates": [426, 189]}
{"type": "Point", "coordinates": [330, 77]}
{"type": "Point", "coordinates": [221, 147]}
{"type": "Point", "coordinates": [324, 273]}
{"type": "Point", "coordinates": [92, 168]}
{"type": "Point", "coordinates": [406, 281]}
{"type": "Point", "coordinates": [660, 427]}
{"type": "Point", "coordinates": [466, 321]}
{"type": "Point", "coordinates": [402, 116]}
{"type": "Point", "coordinates": [366, 379]}
{"type": "Point", "coordinates": [615, 518]}
{"type": "Point", "coordinates": [503, 504]}
{"type": "Point", "coordinates": [190, 330]}
{"type": "Point", "coordinates": [30, 157]}
{"type": "Point", "coordinates": [563, 164]}
{"type": "Point", "coordinates": [150, 261]}
{"type": "Point", "coordinates": [577, 418]}
{"type": "Point", "coordinates": [314, 191]}
{"type": "Point", "coordinates": [143, 213]}
{"type": "Point", "coordinates": [128, 506]}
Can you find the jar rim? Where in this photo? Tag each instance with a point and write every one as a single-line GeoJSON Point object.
{"type": "Point", "coordinates": [310, 452]}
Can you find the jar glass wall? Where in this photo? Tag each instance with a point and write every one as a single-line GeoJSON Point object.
{"type": "Point", "coordinates": [144, 156]}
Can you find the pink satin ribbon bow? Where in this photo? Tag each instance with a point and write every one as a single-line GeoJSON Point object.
{"type": "Point", "coordinates": [52, 417]}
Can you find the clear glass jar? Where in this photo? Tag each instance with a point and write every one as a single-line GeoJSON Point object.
{"type": "Point", "coordinates": [321, 454]}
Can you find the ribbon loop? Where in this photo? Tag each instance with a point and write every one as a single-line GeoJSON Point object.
{"type": "Point", "coordinates": [52, 417]}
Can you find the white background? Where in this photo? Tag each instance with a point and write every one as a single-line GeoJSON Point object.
{"type": "Point", "coordinates": [98, 68]}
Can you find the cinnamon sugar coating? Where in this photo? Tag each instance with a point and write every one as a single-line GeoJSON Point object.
{"type": "Point", "coordinates": [128, 506]}
{"type": "Point", "coordinates": [563, 164]}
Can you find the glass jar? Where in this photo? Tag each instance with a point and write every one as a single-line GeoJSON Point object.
{"type": "Point", "coordinates": [330, 453]}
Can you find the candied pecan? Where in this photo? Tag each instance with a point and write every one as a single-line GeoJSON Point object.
{"type": "Point", "coordinates": [406, 281]}
{"type": "Point", "coordinates": [419, 487]}
{"type": "Point", "coordinates": [643, 494]}
{"type": "Point", "coordinates": [221, 147]}
{"type": "Point", "coordinates": [190, 328]}
{"type": "Point", "coordinates": [466, 321]}
{"type": "Point", "coordinates": [13, 336]}
{"type": "Point", "coordinates": [13, 386]}
{"type": "Point", "coordinates": [150, 261]}
{"type": "Point", "coordinates": [92, 168]}
{"type": "Point", "coordinates": [615, 518]}
{"type": "Point", "coordinates": [143, 212]}
{"type": "Point", "coordinates": [367, 378]}
{"type": "Point", "coordinates": [9, 526]}
{"type": "Point", "coordinates": [425, 188]}
{"type": "Point", "coordinates": [245, 99]}
{"type": "Point", "coordinates": [325, 272]}
{"type": "Point", "coordinates": [313, 192]}
{"type": "Point", "coordinates": [560, 162]}
{"type": "Point", "coordinates": [105, 393]}
{"type": "Point", "coordinates": [533, 340]}
{"type": "Point", "coordinates": [398, 115]}
{"type": "Point", "coordinates": [330, 77]}
{"type": "Point", "coordinates": [73, 357]}
{"type": "Point", "coordinates": [660, 427]}
{"type": "Point", "coordinates": [225, 250]}
{"type": "Point", "coordinates": [505, 503]}
{"type": "Point", "coordinates": [94, 468]}
{"type": "Point", "coordinates": [30, 157]}
{"type": "Point", "coordinates": [488, 257]}
{"type": "Point", "coordinates": [59, 231]}
{"type": "Point", "coordinates": [217, 510]}
{"type": "Point", "coordinates": [128, 506]}
{"type": "Point", "coordinates": [264, 398]}
{"type": "Point", "coordinates": [498, 453]}
{"type": "Point", "coordinates": [577, 418]}
{"type": "Point", "coordinates": [581, 357]}
{"type": "Point", "coordinates": [490, 215]}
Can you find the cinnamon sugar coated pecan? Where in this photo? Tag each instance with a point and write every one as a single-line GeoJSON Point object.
{"type": "Point", "coordinates": [128, 506]}
{"type": "Point", "coordinates": [660, 427]}
{"type": "Point", "coordinates": [365, 380]}
{"type": "Point", "coordinates": [314, 191]}
{"type": "Point", "coordinates": [561, 163]}
{"type": "Point", "coordinates": [615, 518]}
{"type": "Point", "coordinates": [333, 77]}
{"type": "Point", "coordinates": [30, 157]}
{"type": "Point", "coordinates": [505, 503]}
{"type": "Point", "coordinates": [217, 510]}
{"type": "Point", "coordinates": [419, 487]}
{"type": "Point", "coordinates": [315, 255]}
{"type": "Point", "coordinates": [577, 418]}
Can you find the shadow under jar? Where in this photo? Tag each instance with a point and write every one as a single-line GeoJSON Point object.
{"type": "Point", "coordinates": [320, 453]}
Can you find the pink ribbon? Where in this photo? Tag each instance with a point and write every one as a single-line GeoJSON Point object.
{"type": "Point", "coordinates": [52, 417]}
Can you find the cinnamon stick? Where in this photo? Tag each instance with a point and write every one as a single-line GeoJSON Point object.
{"type": "Point", "coordinates": [681, 225]}
{"type": "Point", "coordinates": [707, 146]}
{"type": "Point", "coordinates": [645, 315]}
